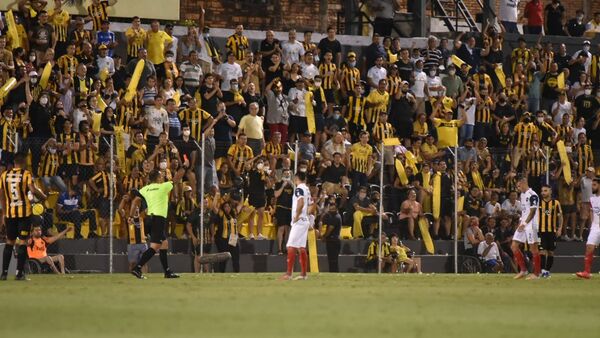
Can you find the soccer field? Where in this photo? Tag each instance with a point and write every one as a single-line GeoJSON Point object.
{"type": "Point", "coordinates": [326, 305]}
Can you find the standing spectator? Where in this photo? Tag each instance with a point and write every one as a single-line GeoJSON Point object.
{"type": "Point", "coordinates": [268, 47]}
{"type": "Point", "coordinates": [330, 44]}
{"type": "Point", "coordinates": [104, 37]}
{"type": "Point", "coordinates": [157, 121]}
{"type": "Point", "coordinates": [229, 71]}
{"type": "Point", "coordinates": [373, 52]}
{"type": "Point", "coordinates": [582, 56]}
{"type": "Point", "coordinates": [297, 110]}
{"type": "Point", "coordinates": [432, 55]}
{"type": "Point", "coordinates": [223, 125]}
{"type": "Point", "coordinates": [174, 41]}
{"type": "Point", "coordinates": [252, 126]}
{"type": "Point", "coordinates": [576, 26]}
{"type": "Point", "coordinates": [508, 15]}
{"type": "Point", "coordinates": [410, 211]}
{"type": "Point", "coordinates": [277, 109]}
{"type": "Point", "coordinates": [535, 17]}
{"type": "Point", "coordinates": [555, 16]}
{"type": "Point", "coordinates": [383, 11]}
{"type": "Point", "coordinates": [98, 12]}
{"type": "Point", "coordinates": [136, 38]}
{"type": "Point", "coordinates": [292, 49]}
{"type": "Point", "coordinates": [332, 221]}
{"type": "Point", "coordinates": [361, 161]}
{"type": "Point", "coordinates": [284, 190]}
{"type": "Point", "coordinates": [468, 52]}
{"type": "Point", "coordinates": [237, 44]}
{"type": "Point", "coordinates": [257, 180]}
{"type": "Point", "coordinates": [191, 70]}
{"type": "Point", "coordinates": [41, 36]}
{"type": "Point", "coordinates": [157, 43]}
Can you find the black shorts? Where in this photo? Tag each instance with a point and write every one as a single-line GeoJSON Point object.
{"type": "Point", "coordinates": [283, 217]}
{"type": "Point", "coordinates": [7, 158]}
{"type": "Point", "coordinates": [257, 200]}
{"type": "Point", "coordinates": [547, 241]}
{"type": "Point", "coordinates": [86, 172]}
{"type": "Point", "coordinates": [329, 95]}
{"type": "Point", "coordinates": [298, 125]}
{"type": "Point", "coordinates": [319, 122]}
{"type": "Point", "coordinates": [68, 170]}
{"type": "Point", "coordinates": [103, 205]}
{"type": "Point", "coordinates": [569, 209]}
{"type": "Point", "coordinates": [446, 207]}
{"type": "Point", "coordinates": [158, 228]}
{"type": "Point", "coordinates": [18, 228]}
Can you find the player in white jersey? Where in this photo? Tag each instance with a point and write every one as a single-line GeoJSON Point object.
{"type": "Point", "coordinates": [300, 224]}
{"type": "Point", "coordinates": [527, 232]}
{"type": "Point", "coordinates": [594, 236]}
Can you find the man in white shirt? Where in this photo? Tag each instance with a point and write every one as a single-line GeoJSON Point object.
{"type": "Point", "coordinates": [527, 231]}
{"type": "Point", "coordinates": [157, 121]}
{"type": "Point", "coordinates": [309, 70]}
{"type": "Point", "coordinates": [292, 49]}
{"type": "Point", "coordinates": [376, 73]}
{"type": "Point", "coordinates": [508, 14]}
{"type": "Point", "coordinates": [104, 62]}
{"type": "Point", "coordinates": [419, 86]}
{"type": "Point", "coordinates": [229, 71]}
{"type": "Point", "coordinates": [297, 110]}
{"type": "Point", "coordinates": [488, 250]}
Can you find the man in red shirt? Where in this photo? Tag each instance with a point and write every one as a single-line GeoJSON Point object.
{"type": "Point", "coordinates": [535, 17]}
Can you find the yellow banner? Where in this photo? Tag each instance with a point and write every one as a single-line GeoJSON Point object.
{"type": "Point", "coordinates": [561, 81]}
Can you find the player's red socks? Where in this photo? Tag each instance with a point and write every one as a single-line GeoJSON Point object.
{"type": "Point", "coordinates": [520, 260]}
{"type": "Point", "coordinates": [291, 259]}
{"type": "Point", "coordinates": [537, 264]}
{"type": "Point", "coordinates": [589, 257]}
{"type": "Point", "coordinates": [303, 261]}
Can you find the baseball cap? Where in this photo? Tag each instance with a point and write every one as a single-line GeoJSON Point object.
{"type": "Point", "coordinates": [187, 188]}
{"type": "Point", "coordinates": [591, 169]}
{"type": "Point", "coordinates": [447, 103]}
{"type": "Point", "coordinates": [586, 42]}
{"type": "Point", "coordinates": [33, 73]}
{"type": "Point", "coordinates": [101, 47]}
{"type": "Point", "coordinates": [351, 54]}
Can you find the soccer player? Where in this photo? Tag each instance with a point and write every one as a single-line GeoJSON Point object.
{"type": "Point", "coordinates": [550, 223]}
{"type": "Point", "coordinates": [527, 232]}
{"type": "Point", "coordinates": [16, 185]}
{"type": "Point", "coordinates": [300, 225]}
{"type": "Point", "coordinates": [594, 236]}
{"type": "Point", "coordinates": [156, 195]}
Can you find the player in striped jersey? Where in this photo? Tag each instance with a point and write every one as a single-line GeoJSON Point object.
{"type": "Point", "coordinates": [196, 118]}
{"type": "Point", "coordinates": [585, 154]}
{"type": "Point", "coordinates": [535, 165]}
{"type": "Point", "coordinates": [67, 64]}
{"type": "Point", "coordinates": [550, 227]}
{"type": "Point", "coordinates": [274, 151]}
{"type": "Point", "coordinates": [16, 185]}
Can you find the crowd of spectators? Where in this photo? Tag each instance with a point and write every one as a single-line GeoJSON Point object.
{"type": "Point", "coordinates": [249, 109]}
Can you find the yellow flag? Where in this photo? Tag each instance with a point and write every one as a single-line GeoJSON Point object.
{"type": "Point", "coordinates": [96, 117]}
{"type": "Point", "coordinates": [401, 172]}
{"type": "Point", "coordinates": [500, 75]}
{"type": "Point", "coordinates": [393, 141]}
{"type": "Point", "coordinates": [310, 113]}
{"type": "Point", "coordinates": [458, 62]}
{"type": "Point", "coordinates": [45, 75]}
{"type": "Point", "coordinates": [561, 81]}
{"type": "Point", "coordinates": [15, 40]}
{"type": "Point", "coordinates": [135, 79]}
{"type": "Point", "coordinates": [7, 87]}
{"type": "Point", "coordinates": [101, 103]}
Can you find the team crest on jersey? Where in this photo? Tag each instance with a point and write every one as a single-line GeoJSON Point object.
{"type": "Point", "coordinates": [299, 192]}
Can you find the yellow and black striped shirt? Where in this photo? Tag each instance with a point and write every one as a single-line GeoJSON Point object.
{"type": "Point", "coordinates": [564, 132]}
{"type": "Point", "coordinates": [185, 205]}
{"type": "Point", "coordinates": [86, 155]}
{"type": "Point", "coordinates": [8, 129]}
{"type": "Point", "coordinates": [195, 119]}
{"type": "Point", "coordinates": [484, 111]}
{"type": "Point", "coordinates": [238, 45]}
{"type": "Point", "coordinates": [549, 58]}
{"type": "Point", "coordinates": [359, 157]}
{"type": "Point", "coordinates": [98, 13]}
{"type": "Point", "coordinates": [585, 158]}
{"type": "Point", "coordinates": [130, 183]}
{"type": "Point", "coordinates": [273, 149]}
{"type": "Point", "coordinates": [60, 23]}
{"type": "Point", "coordinates": [394, 85]}
{"type": "Point", "coordinates": [49, 165]}
{"type": "Point", "coordinates": [72, 156]}
{"type": "Point", "coordinates": [350, 77]}
{"type": "Point", "coordinates": [595, 69]}
{"type": "Point", "coordinates": [327, 72]}
{"type": "Point", "coordinates": [372, 252]}
{"type": "Point", "coordinates": [15, 184]}
{"type": "Point", "coordinates": [102, 181]}
{"type": "Point", "coordinates": [239, 156]}
{"type": "Point", "coordinates": [549, 212]}
{"type": "Point", "coordinates": [520, 55]}
{"type": "Point", "coordinates": [226, 225]}
{"type": "Point", "coordinates": [67, 65]}
{"type": "Point", "coordinates": [381, 131]}
{"type": "Point", "coordinates": [138, 37]}
{"type": "Point", "coordinates": [79, 37]}
{"type": "Point", "coordinates": [524, 134]}
{"type": "Point", "coordinates": [355, 110]}
{"type": "Point", "coordinates": [536, 163]}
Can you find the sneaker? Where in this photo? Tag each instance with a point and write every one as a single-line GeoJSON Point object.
{"type": "Point", "coordinates": [584, 275]}
{"type": "Point", "coordinates": [251, 236]}
{"type": "Point", "coordinates": [301, 277]}
{"type": "Point", "coordinates": [3, 276]}
{"type": "Point", "coordinates": [532, 276]}
{"type": "Point", "coordinates": [285, 277]}
{"type": "Point", "coordinates": [171, 274]}
{"type": "Point", "coordinates": [21, 277]}
{"type": "Point", "coordinates": [520, 275]}
{"type": "Point", "coordinates": [137, 273]}
{"type": "Point", "coordinates": [578, 239]}
{"type": "Point", "coordinates": [566, 238]}
{"type": "Point", "coordinates": [545, 274]}
{"type": "Point", "coordinates": [261, 237]}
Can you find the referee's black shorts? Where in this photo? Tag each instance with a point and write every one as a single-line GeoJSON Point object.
{"type": "Point", "coordinates": [547, 241]}
{"type": "Point", "coordinates": [158, 228]}
{"type": "Point", "coordinates": [18, 227]}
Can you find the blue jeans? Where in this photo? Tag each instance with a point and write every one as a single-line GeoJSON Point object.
{"type": "Point", "coordinates": [511, 27]}
{"type": "Point", "coordinates": [466, 132]}
{"type": "Point", "coordinates": [533, 104]}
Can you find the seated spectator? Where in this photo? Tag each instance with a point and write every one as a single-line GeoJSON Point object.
{"type": "Point", "coordinates": [37, 249]}
{"type": "Point", "coordinates": [373, 257]}
{"type": "Point", "coordinates": [68, 209]}
{"type": "Point", "coordinates": [399, 254]}
{"type": "Point", "coordinates": [410, 211]}
{"type": "Point", "coordinates": [472, 235]}
{"type": "Point", "coordinates": [511, 206]}
{"type": "Point", "coordinates": [492, 207]}
{"type": "Point", "coordinates": [488, 251]}
{"type": "Point", "coordinates": [361, 207]}
{"type": "Point", "coordinates": [48, 167]}
{"type": "Point", "coordinates": [333, 176]}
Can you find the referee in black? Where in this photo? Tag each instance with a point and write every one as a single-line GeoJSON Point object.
{"type": "Point", "coordinates": [550, 227]}
{"type": "Point", "coordinates": [156, 195]}
{"type": "Point", "coordinates": [333, 222]}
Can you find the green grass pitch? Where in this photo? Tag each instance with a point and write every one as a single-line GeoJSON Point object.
{"type": "Point", "coordinates": [326, 305]}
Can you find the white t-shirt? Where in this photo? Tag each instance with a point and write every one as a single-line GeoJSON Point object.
{"type": "Point", "coordinates": [106, 62]}
{"type": "Point", "coordinates": [376, 74]}
{"type": "Point", "coordinates": [301, 192]}
{"type": "Point", "coordinates": [530, 201]}
{"type": "Point", "coordinates": [508, 10]}
{"type": "Point", "coordinates": [491, 209]}
{"type": "Point", "coordinates": [434, 82]}
{"type": "Point", "coordinates": [418, 87]}
{"type": "Point", "coordinates": [494, 253]}
{"type": "Point", "coordinates": [586, 189]}
{"type": "Point", "coordinates": [563, 108]}
{"type": "Point", "coordinates": [174, 46]}
{"type": "Point", "coordinates": [157, 118]}
{"type": "Point", "coordinates": [309, 71]}
{"type": "Point", "coordinates": [468, 111]}
{"type": "Point", "coordinates": [511, 208]}
{"type": "Point", "coordinates": [595, 202]}
{"type": "Point", "coordinates": [227, 72]}
{"type": "Point", "coordinates": [292, 51]}
{"type": "Point", "coordinates": [299, 108]}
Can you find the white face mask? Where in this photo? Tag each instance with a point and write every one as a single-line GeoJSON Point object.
{"type": "Point", "coordinates": [33, 80]}
{"type": "Point", "coordinates": [540, 119]}
{"type": "Point", "coordinates": [569, 149]}
{"type": "Point", "coordinates": [169, 59]}
{"type": "Point", "coordinates": [44, 101]}
{"type": "Point", "coordinates": [260, 166]}
{"type": "Point", "coordinates": [302, 170]}
{"type": "Point", "coordinates": [186, 133]}
{"type": "Point", "coordinates": [588, 92]}
{"type": "Point", "coordinates": [234, 87]}
{"type": "Point", "coordinates": [586, 48]}
{"type": "Point", "coordinates": [162, 165]}
{"type": "Point", "coordinates": [352, 64]}
{"type": "Point", "coordinates": [52, 150]}
{"type": "Point", "coordinates": [32, 58]}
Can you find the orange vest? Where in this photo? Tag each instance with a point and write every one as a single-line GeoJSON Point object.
{"type": "Point", "coordinates": [38, 250]}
